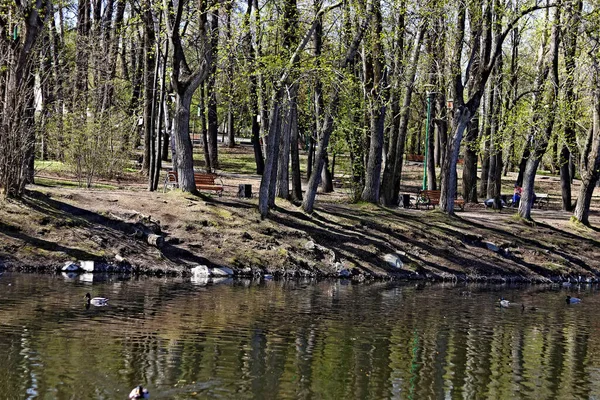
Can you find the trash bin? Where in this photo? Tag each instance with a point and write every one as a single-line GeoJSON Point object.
{"type": "Point", "coordinates": [245, 191]}
{"type": "Point", "coordinates": [406, 200]}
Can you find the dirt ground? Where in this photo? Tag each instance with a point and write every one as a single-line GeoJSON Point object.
{"type": "Point", "coordinates": [53, 225]}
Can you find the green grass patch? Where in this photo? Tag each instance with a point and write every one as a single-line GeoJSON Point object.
{"type": "Point", "coordinates": [50, 167]}
{"type": "Point", "coordinates": [68, 183]}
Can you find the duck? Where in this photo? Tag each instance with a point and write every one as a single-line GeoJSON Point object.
{"type": "Point", "coordinates": [573, 300]}
{"type": "Point", "coordinates": [96, 301]}
{"type": "Point", "coordinates": [504, 303]}
{"type": "Point", "coordinates": [139, 392]}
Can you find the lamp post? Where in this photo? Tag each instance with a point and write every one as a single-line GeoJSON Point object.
{"type": "Point", "coordinates": [430, 95]}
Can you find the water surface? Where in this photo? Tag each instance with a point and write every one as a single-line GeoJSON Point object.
{"type": "Point", "coordinates": [294, 340]}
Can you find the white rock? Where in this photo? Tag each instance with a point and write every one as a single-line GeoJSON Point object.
{"type": "Point", "coordinates": [393, 260]}
{"type": "Point", "coordinates": [221, 271]}
{"type": "Point", "coordinates": [200, 271]}
{"type": "Point", "coordinates": [69, 276]}
{"type": "Point", "coordinates": [246, 270]}
{"type": "Point", "coordinates": [199, 280]}
{"type": "Point", "coordinates": [221, 280]}
{"type": "Point", "coordinates": [70, 267]}
{"type": "Point", "coordinates": [87, 266]}
{"type": "Point", "coordinates": [86, 277]}
{"type": "Point", "coordinates": [310, 245]}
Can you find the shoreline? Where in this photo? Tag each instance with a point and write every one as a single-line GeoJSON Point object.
{"type": "Point", "coordinates": [357, 242]}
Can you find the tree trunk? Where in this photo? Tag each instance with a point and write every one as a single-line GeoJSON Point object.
{"type": "Point", "coordinates": [149, 80]}
{"type": "Point", "coordinates": [185, 160]}
{"type": "Point", "coordinates": [283, 181]}
{"type": "Point", "coordinates": [487, 131]}
{"type": "Point", "coordinates": [211, 89]}
{"type": "Point", "coordinates": [295, 155]}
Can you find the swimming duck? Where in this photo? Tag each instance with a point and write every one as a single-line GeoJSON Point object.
{"type": "Point", "coordinates": [96, 301]}
{"type": "Point", "coordinates": [573, 300]}
{"type": "Point", "coordinates": [504, 303]}
{"type": "Point", "coordinates": [139, 393]}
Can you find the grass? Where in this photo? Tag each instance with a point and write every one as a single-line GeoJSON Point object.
{"type": "Point", "coordinates": [69, 183]}
{"type": "Point", "coordinates": [50, 167]}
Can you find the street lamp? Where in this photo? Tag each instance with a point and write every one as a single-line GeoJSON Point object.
{"type": "Point", "coordinates": [430, 96]}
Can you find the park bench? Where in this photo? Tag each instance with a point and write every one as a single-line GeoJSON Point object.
{"type": "Point", "coordinates": [415, 157]}
{"type": "Point", "coordinates": [541, 200]}
{"type": "Point", "coordinates": [203, 182]}
{"type": "Point", "coordinates": [432, 198]}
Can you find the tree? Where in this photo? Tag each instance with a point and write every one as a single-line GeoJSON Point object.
{"type": "Point", "coordinates": [544, 107]}
{"type": "Point", "coordinates": [466, 109]}
{"type": "Point", "coordinates": [21, 26]}
{"type": "Point", "coordinates": [185, 81]}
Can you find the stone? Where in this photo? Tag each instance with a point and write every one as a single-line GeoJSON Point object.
{"type": "Point", "coordinates": [87, 266]}
{"type": "Point", "coordinates": [69, 276]}
{"type": "Point", "coordinates": [246, 236]}
{"type": "Point", "coordinates": [491, 246]}
{"type": "Point", "coordinates": [200, 271]}
{"type": "Point", "coordinates": [199, 280]}
{"type": "Point", "coordinates": [310, 245]}
{"type": "Point", "coordinates": [221, 280]}
{"type": "Point", "coordinates": [70, 266]}
{"type": "Point", "coordinates": [221, 271]}
{"type": "Point", "coordinates": [393, 260]}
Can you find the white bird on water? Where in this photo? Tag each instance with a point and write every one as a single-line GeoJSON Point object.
{"type": "Point", "coordinates": [504, 303]}
{"type": "Point", "coordinates": [96, 301]}
{"type": "Point", "coordinates": [139, 392]}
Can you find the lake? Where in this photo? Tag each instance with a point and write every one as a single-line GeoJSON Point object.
{"type": "Point", "coordinates": [240, 339]}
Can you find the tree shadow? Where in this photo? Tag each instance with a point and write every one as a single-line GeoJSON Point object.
{"type": "Point", "coordinates": [114, 230]}
{"type": "Point", "coordinates": [15, 232]}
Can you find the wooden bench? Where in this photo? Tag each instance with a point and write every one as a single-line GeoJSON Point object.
{"type": "Point", "coordinates": [432, 198]}
{"type": "Point", "coordinates": [541, 199]}
{"type": "Point", "coordinates": [415, 157]}
{"type": "Point", "coordinates": [203, 182]}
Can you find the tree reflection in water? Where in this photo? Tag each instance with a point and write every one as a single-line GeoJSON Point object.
{"type": "Point", "coordinates": [294, 340]}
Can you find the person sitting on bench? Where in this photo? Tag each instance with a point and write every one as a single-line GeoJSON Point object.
{"type": "Point", "coordinates": [517, 195]}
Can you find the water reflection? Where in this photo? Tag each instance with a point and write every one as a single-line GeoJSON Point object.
{"type": "Point", "coordinates": [269, 339]}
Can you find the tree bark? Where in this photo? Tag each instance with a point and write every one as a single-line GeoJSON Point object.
{"type": "Point", "coordinates": [211, 90]}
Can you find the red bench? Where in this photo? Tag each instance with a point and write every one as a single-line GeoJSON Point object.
{"type": "Point", "coordinates": [415, 157]}
{"type": "Point", "coordinates": [432, 198]}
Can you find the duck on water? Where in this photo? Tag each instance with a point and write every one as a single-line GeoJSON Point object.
{"type": "Point", "coordinates": [96, 301]}
{"type": "Point", "coordinates": [139, 392]}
